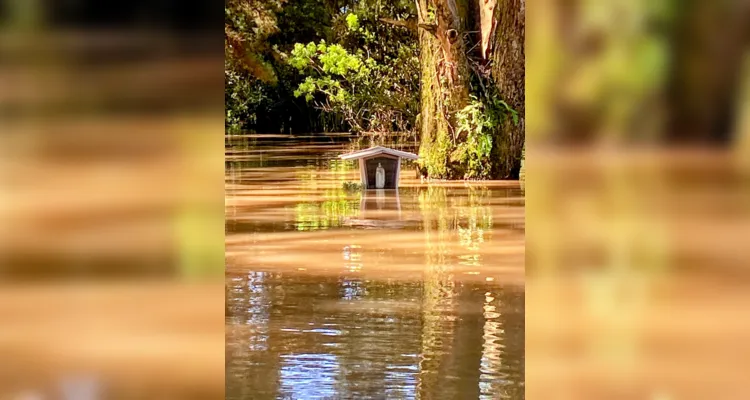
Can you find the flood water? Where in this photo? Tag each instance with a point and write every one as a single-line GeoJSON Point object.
{"type": "Point", "coordinates": [333, 294]}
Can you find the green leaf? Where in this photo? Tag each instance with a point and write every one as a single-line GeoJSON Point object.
{"type": "Point", "coordinates": [352, 22]}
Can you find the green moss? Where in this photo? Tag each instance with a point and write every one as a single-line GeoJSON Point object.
{"type": "Point", "coordinates": [434, 146]}
{"type": "Point", "coordinates": [467, 130]}
{"type": "Point", "coordinates": [486, 145]}
{"type": "Point", "coordinates": [506, 153]}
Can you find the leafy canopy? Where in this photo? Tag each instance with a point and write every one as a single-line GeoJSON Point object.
{"type": "Point", "coordinates": [368, 83]}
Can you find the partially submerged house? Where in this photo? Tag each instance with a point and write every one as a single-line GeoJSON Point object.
{"type": "Point", "coordinates": [383, 158]}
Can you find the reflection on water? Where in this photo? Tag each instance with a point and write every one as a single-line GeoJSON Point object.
{"type": "Point", "coordinates": [332, 294]}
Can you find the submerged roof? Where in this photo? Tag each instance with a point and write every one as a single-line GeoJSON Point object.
{"type": "Point", "coordinates": [373, 151]}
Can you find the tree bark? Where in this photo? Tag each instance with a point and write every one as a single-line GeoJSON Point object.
{"type": "Point", "coordinates": [445, 82]}
{"type": "Point", "coordinates": [508, 74]}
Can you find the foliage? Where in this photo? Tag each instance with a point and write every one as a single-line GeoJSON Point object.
{"type": "Point", "coordinates": [247, 26]}
{"type": "Point", "coordinates": [479, 123]}
{"type": "Point", "coordinates": [352, 186]}
{"type": "Point", "coordinates": [352, 22]}
{"type": "Point", "coordinates": [371, 93]}
{"type": "Point", "coordinates": [241, 98]}
{"type": "Point", "coordinates": [260, 82]}
{"type": "Point", "coordinates": [335, 73]}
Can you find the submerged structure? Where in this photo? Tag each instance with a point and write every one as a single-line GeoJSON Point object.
{"type": "Point", "coordinates": [379, 167]}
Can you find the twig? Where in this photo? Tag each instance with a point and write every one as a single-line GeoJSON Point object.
{"type": "Point", "coordinates": [409, 23]}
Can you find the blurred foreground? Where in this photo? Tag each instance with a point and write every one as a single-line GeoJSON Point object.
{"type": "Point", "coordinates": [111, 246]}
{"type": "Point", "coordinates": [637, 256]}
{"type": "Point", "coordinates": [637, 279]}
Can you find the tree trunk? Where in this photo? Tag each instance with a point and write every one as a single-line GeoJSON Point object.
{"type": "Point", "coordinates": [508, 74]}
{"type": "Point", "coordinates": [447, 79]}
{"type": "Point", "coordinates": [445, 82]}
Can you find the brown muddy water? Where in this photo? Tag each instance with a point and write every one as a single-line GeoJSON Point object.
{"type": "Point", "coordinates": [409, 294]}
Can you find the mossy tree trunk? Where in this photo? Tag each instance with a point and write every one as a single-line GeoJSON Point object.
{"type": "Point", "coordinates": [445, 28]}
{"type": "Point", "coordinates": [508, 75]}
{"type": "Point", "coordinates": [446, 78]}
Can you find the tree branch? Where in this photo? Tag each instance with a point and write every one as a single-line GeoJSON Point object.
{"type": "Point", "coordinates": [409, 23]}
{"type": "Point", "coordinates": [430, 28]}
